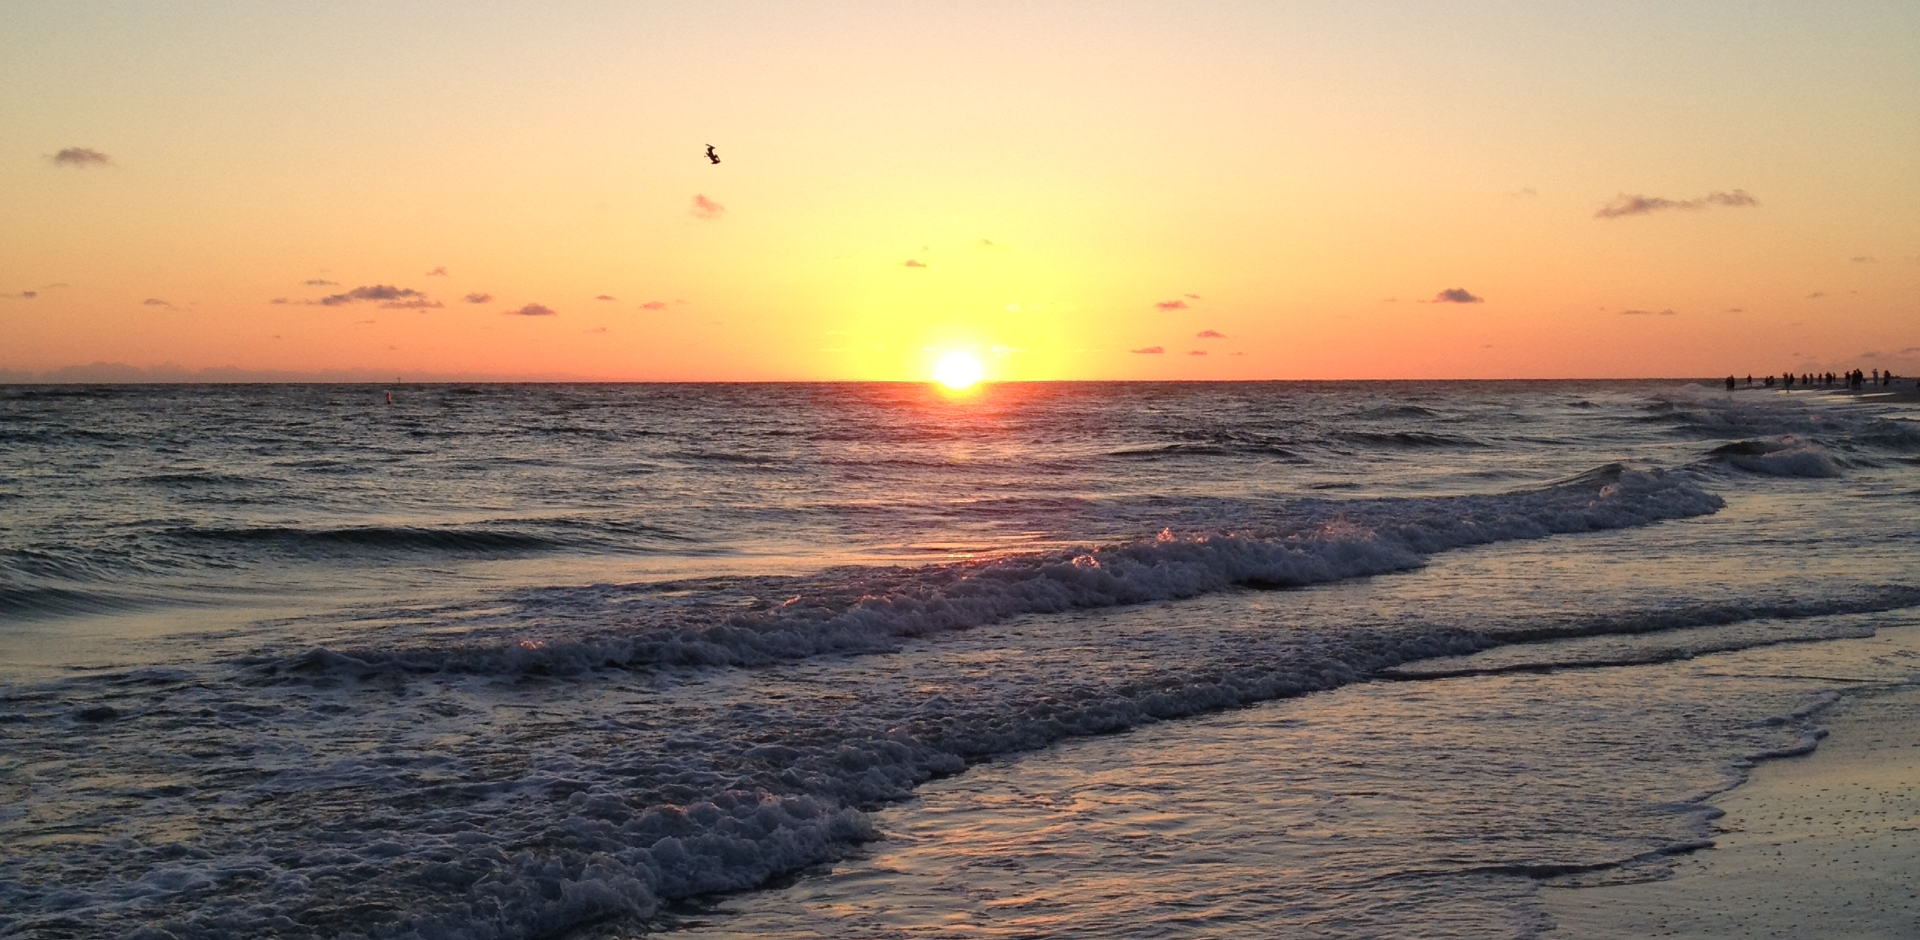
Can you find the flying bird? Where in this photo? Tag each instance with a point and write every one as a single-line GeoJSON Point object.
{"type": "Point", "coordinates": [711, 155]}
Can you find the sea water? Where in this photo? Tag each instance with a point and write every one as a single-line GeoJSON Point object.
{"type": "Point", "coordinates": [1127, 659]}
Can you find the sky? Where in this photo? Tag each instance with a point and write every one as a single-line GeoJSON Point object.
{"type": "Point", "coordinates": [1114, 190]}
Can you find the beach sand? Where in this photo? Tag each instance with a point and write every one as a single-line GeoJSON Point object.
{"type": "Point", "coordinates": [1822, 846]}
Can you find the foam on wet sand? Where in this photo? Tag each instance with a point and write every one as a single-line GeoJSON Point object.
{"type": "Point", "coordinates": [1824, 845]}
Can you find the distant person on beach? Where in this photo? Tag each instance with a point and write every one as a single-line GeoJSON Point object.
{"type": "Point", "coordinates": [1730, 383]}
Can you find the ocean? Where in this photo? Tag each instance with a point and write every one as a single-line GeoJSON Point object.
{"type": "Point", "coordinates": [1373, 659]}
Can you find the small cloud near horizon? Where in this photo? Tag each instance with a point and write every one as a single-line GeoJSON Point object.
{"type": "Point", "coordinates": [654, 305]}
{"type": "Point", "coordinates": [1172, 305]}
{"type": "Point", "coordinates": [605, 297]}
{"type": "Point", "coordinates": [436, 272]}
{"type": "Point", "coordinates": [1209, 334]}
{"type": "Point", "coordinates": [1634, 204]}
{"type": "Point", "coordinates": [1148, 351]}
{"type": "Point", "coordinates": [478, 297]}
{"type": "Point", "coordinates": [386, 292]}
{"type": "Point", "coordinates": [1456, 295]}
{"type": "Point", "coordinates": [1196, 352]}
{"type": "Point", "coordinates": [912, 263]}
{"type": "Point", "coordinates": [23, 295]}
{"type": "Point", "coordinates": [155, 302]}
{"type": "Point", "coordinates": [418, 303]}
{"type": "Point", "coordinates": [534, 310]}
{"type": "Point", "coordinates": [1816, 295]}
{"type": "Point", "coordinates": [1736, 310]}
{"type": "Point", "coordinates": [1193, 296]}
{"type": "Point", "coordinates": [597, 329]}
{"type": "Point", "coordinates": [1646, 313]}
{"type": "Point", "coordinates": [81, 157]}
{"type": "Point", "coordinates": [321, 282]}
{"type": "Point", "coordinates": [704, 208]}
{"type": "Point", "coordinates": [1863, 259]}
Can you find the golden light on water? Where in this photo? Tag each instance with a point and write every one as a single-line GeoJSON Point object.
{"type": "Point", "coordinates": [958, 370]}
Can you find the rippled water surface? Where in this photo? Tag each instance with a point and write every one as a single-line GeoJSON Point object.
{"type": "Point", "coordinates": [1100, 659]}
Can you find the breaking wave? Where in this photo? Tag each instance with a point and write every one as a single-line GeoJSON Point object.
{"type": "Point", "coordinates": [871, 610]}
{"type": "Point", "coordinates": [1786, 456]}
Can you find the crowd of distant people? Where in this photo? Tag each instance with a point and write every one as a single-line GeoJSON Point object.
{"type": "Point", "coordinates": [1854, 380]}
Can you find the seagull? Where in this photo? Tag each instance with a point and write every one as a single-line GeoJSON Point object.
{"type": "Point", "coordinates": [711, 155]}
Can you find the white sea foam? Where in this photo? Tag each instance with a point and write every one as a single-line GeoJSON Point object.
{"type": "Point", "coordinates": [1314, 542]}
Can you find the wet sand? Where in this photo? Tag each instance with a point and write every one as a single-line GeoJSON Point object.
{"type": "Point", "coordinates": [1821, 846]}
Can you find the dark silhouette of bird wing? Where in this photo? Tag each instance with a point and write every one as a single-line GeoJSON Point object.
{"type": "Point", "coordinates": [711, 155]}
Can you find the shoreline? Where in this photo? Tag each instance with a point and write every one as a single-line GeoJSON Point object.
{"type": "Point", "coordinates": [1821, 845]}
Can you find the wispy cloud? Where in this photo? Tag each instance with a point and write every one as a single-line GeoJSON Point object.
{"type": "Point", "coordinates": [1633, 204]}
{"type": "Point", "coordinates": [23, 295]}
{"type": "Point", "coordinates": [654, 305]}
{"type": "Point", "coordinates": [155, 302]}
{"type": "Point", "coordinates": [1736, 310]}
{"type": "Point", "coordinates": [597, 329]}
{"type": "Point", "coordinates": [704, 208]}
{"type": "Point", "coordinates": [416, 303]}
{"type": "Point", "coordinates": [1456, 295]}
{"type": "Point", "coordinates": [534, 310]}
{"type": "Point", "coordinates": [605, 297]}
{"type": "Point", "coordinates": [911, 263]}
{"type": "Point", "coordinates": [81, 157]}
{"type": "Point", "coordinates": [478, 297]}
{"type": "Point", "coordinates": [321, 282]}
{"type": "Point", "coordinates": [1209, 334]}
{"type": "Point", "coordinates": [437, 272]}
{"type": "Point", "coordinates": [1196, 352]}
{"type": "Point", "coordinates": [1646, 313]}
{"type": "Point", "coordinates": [386, 292]}
{"type": "Point", "coordinates": [1148, 350]}
{"type": "Point", "coordinates": [1193, 296]}
{"type": "Point", "coordinates": [1863, 259]}
{"type": "Point", "coordinates": [1172, 305]}
{"type": "Point", "coordinates": [1816, 295]}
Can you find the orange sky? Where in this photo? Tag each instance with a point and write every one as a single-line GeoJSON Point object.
{"type": "Point", "coordinates": [1052, 186]}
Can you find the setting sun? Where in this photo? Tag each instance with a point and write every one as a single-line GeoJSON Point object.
{"type": "Point", "coordinates": [957, 370]}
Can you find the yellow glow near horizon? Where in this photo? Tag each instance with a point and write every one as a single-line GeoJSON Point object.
{"type": "Point", "coordinates": [958, 370]}
{"type": "Point", "coordinates": [1002, 178]}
